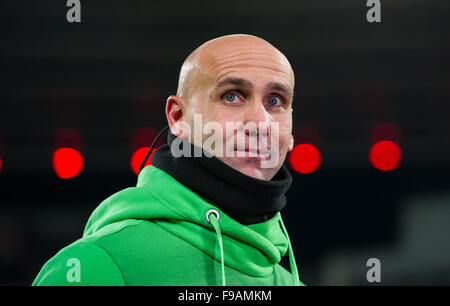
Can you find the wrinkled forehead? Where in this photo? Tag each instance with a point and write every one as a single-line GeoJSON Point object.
{"type": "Point", "coordinates": [217, 63]}
{"type": "Point", "coordinates": [222, 59]}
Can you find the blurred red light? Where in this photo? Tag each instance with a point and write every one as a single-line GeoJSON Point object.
{"type": "Point", "coordinates": [67, 162]}
{"type": "Point", "coordinates": [0, 163]}
{"type": "Point", "coordinates": [305, 158]}
{"type": "Point", "coordinates": [385, 155]}
{"type": "Point", "coordinates": [138, 156]}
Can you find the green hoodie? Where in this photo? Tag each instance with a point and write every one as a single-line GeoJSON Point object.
{"type": "Point", "coordinates": [158, 233]}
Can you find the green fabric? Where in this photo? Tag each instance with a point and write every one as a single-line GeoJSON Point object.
{"type": "Point", "coordinates": [157, 234]}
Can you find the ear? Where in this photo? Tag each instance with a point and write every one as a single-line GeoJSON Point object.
{"type": "Point", "coordinates": [291, 143]}
{"type": "Point", "coordinates": [175, 115]}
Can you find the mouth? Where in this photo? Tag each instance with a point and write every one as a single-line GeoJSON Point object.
{"type": "Point", "coordinates": [252, 153]}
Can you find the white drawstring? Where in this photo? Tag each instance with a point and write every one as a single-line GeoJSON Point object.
{"type": "Point", "coordinates": [214, 220]}
{"type": "Point", "coordinates": [213, 216]}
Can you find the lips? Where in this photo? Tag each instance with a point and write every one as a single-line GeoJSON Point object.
{"type": "Point", "coordinates": [253, 152]}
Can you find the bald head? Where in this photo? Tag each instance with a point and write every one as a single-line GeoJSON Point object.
{"type": "Point", "coordinates": [203, 66]}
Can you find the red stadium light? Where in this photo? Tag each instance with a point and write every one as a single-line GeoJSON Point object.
{"type": "Point", "coordinates": [305, 158]}
{"type": "Point", "coordinates": [137, 158]}
{"type": "Point", "coordinates": [385, 155]}
{"type": "Point", "coordinates": [67, 162]}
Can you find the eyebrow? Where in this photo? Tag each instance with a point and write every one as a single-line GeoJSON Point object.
{"type": "Point", "coordinates": [281, 87]}
{"type": "Point", "coordinates": [248, 85]}
{"type": "Point", "coordinates": [235, 81]}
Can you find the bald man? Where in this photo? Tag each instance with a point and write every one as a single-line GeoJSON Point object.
{"type": "Point", "coordinates": [212, 217]}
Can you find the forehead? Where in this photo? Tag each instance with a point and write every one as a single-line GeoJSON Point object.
{"type": "Point", "coordinates": [258, 64]}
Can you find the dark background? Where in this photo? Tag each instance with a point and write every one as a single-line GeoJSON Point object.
{"type": "Point", "coordinates": [110, 75]}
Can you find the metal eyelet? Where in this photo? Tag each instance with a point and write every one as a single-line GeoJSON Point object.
{"type": "Point", "coordinates": [212, 211]}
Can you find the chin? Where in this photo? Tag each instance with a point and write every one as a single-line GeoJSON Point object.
{"type": "Point", "coordinates": [250, 167]}
{"type": "Point", "coordinates": [255, 172]}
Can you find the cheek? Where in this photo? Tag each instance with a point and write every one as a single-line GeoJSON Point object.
{"type": "Point", "coordinates": [220, 119]}
{"type": "Point", "coordinates": [284, 142]}
{"type": "Point", "coordinates": [285, 132]}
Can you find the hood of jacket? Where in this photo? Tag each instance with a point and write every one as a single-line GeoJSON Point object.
{"type": "Point", "coordinates": [251, 249]}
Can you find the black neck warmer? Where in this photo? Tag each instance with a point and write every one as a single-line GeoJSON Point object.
{"type": "Point", "coordinates": [246, 199]}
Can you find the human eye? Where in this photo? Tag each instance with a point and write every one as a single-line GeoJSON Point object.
{"type": "Point", "coordinates": [230, 97]}
{"type": "Point", "coordinates": [274, 101]}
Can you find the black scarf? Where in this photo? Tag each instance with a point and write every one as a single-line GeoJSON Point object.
{"type": "Point", "coordinates": [246, 199]}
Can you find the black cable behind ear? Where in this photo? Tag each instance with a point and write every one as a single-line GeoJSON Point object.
{"type": "Point", "coordinates": [151, 148]}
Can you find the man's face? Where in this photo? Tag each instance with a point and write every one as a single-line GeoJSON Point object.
{"type": "Point", "coordinates": [250, 83]}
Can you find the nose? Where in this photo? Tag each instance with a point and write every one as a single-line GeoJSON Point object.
{"type": "Point", "coordinates": [257, 114]}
